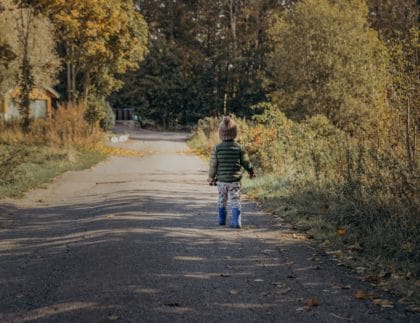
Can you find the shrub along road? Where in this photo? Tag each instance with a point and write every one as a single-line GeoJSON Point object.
{"type": "Point", "coordinates": [135, 239]}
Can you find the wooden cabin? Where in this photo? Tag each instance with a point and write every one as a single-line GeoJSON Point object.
{"type": "Point", "coordinates": [41, 103]}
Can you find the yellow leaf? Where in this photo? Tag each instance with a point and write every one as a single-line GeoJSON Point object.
{"type": "Point", "coordinates": [361, 294]}
{"type": "Point", "coordinates": [383, 302]}
{"type": "Point", "coordinates": [341, 231]}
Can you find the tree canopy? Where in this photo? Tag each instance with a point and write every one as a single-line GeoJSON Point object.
{"type": "Point", "coordinates": [28, 56]}
{"type": "Point", "coordinates": [18, 22]}
{"type": "Point", "coordinates": [100, 41]}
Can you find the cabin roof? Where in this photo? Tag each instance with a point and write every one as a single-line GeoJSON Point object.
{"type": "Point", "coordinates": [52, 91]}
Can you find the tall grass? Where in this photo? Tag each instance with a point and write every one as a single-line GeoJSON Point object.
{"type": "Point", "coordinates": [64, 141]}
{"type": "Point", "coordinates": [342, 190]}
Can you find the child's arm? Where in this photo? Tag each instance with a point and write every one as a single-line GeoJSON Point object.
{"type": "Point", "coordinates": [246, 163]}
{"type": "Point", "coordinates": [213, 166]}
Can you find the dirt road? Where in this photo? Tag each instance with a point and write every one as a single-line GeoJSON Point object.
{"type": "Point", "coordinates": [136, 240]}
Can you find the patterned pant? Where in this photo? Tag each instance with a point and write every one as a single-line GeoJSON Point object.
{"type": "Point", "coordinates": [231, 191]}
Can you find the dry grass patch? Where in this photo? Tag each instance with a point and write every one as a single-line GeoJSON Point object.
{"type": "Point", "coordinates": [62, 142]}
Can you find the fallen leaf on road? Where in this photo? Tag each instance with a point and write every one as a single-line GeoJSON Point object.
{"type": "Point", "coordinates": [258, 280]}
{"type": "Point", "coordinates": [113, 317]}
{"type": "Point", "coordinates": [335, 252]}
{"type": "Point", "coordinates": [233, 292]}
{"type": "Point", "coordinates": [383, 302]}
{"type": "Point", "coordinates": [361, 294]}
{"type": "Point", "coordinates": [299, 236]}
{"type": "Point", "coordinates": [312, 302]}
{"type": "Point", "coordinates": [309, 303]}
{"type": "Point", "coordinates": [341, 231]}
{"type": "Point", "coordinates": [413, 309]}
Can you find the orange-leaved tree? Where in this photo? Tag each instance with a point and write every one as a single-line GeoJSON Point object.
{"type": "Point", "coordinates": [101, 40]}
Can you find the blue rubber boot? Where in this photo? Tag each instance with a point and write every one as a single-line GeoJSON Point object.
{"type": "Point", "coordinates": [222, 216]}
{"type": "Point", "coordinates": [236, 219]}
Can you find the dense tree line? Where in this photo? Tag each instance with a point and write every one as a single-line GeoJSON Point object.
{"type": "Point", "coordinates": [204, 55]}
{"type": "Point", "coordinates": [207, 58]}
{"type": "Point", "coordinates": [349, 60]}
{"type": "Point", "coordinates": [355, 62]}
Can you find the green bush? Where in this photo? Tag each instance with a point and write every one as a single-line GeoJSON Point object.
{"type": "Point", "coordinates": [108, 121]}
{"type": "Point", "coordinates": [95, 110]}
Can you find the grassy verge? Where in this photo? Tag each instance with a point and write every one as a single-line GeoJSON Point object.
{"type": "Point", "coordinates": [26, 166]}
{"type": "Point", "coordinates": [317, 213]}
{"type": "Point", "coordinates": [51, 146]}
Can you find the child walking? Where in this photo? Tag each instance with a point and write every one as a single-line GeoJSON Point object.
{"type": "Point", "coordinates": [227, 159]}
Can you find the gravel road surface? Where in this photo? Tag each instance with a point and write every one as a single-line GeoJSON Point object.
{"type": "Point", "coordinates": [135, 239]}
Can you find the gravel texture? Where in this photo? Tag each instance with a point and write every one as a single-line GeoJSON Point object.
{"type": "Point", "coordinates": [136, 240]}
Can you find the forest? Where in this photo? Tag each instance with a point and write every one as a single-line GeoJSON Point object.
{"type": "Point", "coordinates": [326, 94]}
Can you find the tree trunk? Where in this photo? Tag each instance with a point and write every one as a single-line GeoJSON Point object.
{"type": "Point", "coordinates": [71, 77]}
{"type": "Point", "coordinates": [171, 20]}
{"type": "Point", "coordinates": [415, 164]}
{"type": "Point", "coordinates": [73, 83]}
{"type": "Point", "coordinates": [25, 88]}
{"type": "Point", "coordinates": [165, 120]}
{"type": "Point", "coordinates": [68, 70]}
{"type": "Point", "coordinates": [86, 87]}
{"type": "Point", "coordinates": [407, 136]}
{"type": "Point", "coordinates": [26, 82]}
{"type": "Point", "coordinates": [232, 21]}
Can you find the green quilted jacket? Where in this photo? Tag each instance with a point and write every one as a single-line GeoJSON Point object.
{"type": "Point", "coordinates": [226, 161]}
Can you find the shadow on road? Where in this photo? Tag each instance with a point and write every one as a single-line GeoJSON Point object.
{"type": "Point", "coordinates": [162, 257]}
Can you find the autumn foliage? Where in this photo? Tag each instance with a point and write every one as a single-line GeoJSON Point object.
{"type": "Point", "coordinates": [345, 190]}
{"type": "Point", "coordinates": [66, 127]}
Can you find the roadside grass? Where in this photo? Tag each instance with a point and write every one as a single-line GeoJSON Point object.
{"type": "Point", "coordinates": [26, 166]}
{"type": "Point", "coordinates": [320, 214]}
{"type": "Point", "coordinates": [63, 142]}
{"type": "Point", "coordinates": [204, 137]}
